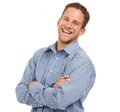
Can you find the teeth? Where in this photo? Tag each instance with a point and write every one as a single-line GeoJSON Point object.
{"type": "Point", "coordinates": [66, 31]}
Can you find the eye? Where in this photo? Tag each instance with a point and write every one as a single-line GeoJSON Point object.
{"type": "Point", "coordinates": [76, 23]}
{"type": "Point", "coordinates": [66, 19]}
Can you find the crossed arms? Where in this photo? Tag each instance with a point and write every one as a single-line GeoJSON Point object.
{"type": "Point", "coordinates": [62, 80]}
{"type": "Point", "coordinates": [63, 93]}
{"type": "Point", "coordinates": [66, 91]}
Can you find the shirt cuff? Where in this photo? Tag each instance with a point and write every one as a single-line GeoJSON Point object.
{"type": "Point", "coordinates": [36, 89]}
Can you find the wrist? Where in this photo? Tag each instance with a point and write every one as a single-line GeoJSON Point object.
{"type": "Point", "coordinates": [32, 83]}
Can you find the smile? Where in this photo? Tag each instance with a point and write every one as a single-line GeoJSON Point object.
{"type": "Point", "coordinates": [66, 31]}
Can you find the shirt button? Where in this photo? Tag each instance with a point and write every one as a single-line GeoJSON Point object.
{"type": "Point", "coordinates": [56, 57]}
{"type": "Point", "coordinates": [51, 71]}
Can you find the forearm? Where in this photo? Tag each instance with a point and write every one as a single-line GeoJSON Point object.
{"type": "Point", "coordinates": [81, 80]}
{"type": "Point", "coordinates": [59, 98]}
{"type": "Point", "coordinates": [23, 96]}
{"type": "Point", "coordinates": [46, 96]}
{"type": "Point", "coordinates": [38, 90]}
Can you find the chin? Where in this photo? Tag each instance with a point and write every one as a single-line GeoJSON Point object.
{"type": "Point", "coordinates": [67, 42]}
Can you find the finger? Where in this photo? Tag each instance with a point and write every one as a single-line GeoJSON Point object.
{"type": "Point", "coordinates": [65, 77]}
{"type": "Point", "coordinates": [64, 80]}
{"type": "Point", "coordinates": [60, 82]}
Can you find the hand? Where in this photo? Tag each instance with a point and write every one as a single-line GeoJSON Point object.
{"type": "Point", "coordinates": [31, 83]}
{"type": "Point", "coordinates": [61, 81]}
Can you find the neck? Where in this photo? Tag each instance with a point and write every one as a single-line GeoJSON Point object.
{"type": "Point", "coordinates": [60, 46]}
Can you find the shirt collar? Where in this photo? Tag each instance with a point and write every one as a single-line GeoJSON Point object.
{"type": "Point", "coordinates": [70, 49]}
{"type": "Point", "coordinates": [52, 48]}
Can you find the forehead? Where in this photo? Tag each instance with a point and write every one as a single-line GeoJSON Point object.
{"type": "Point", "coordinates": [74, 13]}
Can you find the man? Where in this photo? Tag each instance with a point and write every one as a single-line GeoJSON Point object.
{"type": "Point", "coordinates": [58, 78]}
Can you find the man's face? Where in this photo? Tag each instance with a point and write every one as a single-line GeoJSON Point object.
{"type": "Point", "coordinates": [69, 26]}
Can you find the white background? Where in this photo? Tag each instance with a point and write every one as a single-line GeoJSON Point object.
{"type": "Point", "coordinates": [27, 25]}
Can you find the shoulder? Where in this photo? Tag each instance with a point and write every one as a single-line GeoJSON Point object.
{"type": "Point", "coordinates": [78, 60]}
{"type": "Point", "coordinates": [80, 57]}
{"type": "Point", "coordinates": [38, 53]}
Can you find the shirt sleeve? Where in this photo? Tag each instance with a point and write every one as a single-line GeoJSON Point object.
{"type": "Point", "coordinates": [22, 92]}
{"type": "Point", "coordinates": [82, 79]}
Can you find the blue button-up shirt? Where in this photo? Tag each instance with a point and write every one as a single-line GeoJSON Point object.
{"type": "Point", "coordinates": [46, 66]}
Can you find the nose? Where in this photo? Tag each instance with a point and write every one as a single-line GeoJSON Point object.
{"type": "Point", "coordinates": [69, 24]}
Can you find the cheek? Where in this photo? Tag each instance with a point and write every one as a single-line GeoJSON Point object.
{"type": "Point", "coordinates": [77, 33]}
{"type": "Point", "coordinates": [61, 23]}
{"type": "Point", "coordinates": [78, 30]}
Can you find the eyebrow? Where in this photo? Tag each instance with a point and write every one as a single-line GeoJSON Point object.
{"type": "Point", "coordinates": [68, 17]}
{"type": "Point", "coordinates": [65, 17]}
{"type": "Point", "coordinates": [73, 20]}
{"type": "Point", "coordinates": [76, 21]}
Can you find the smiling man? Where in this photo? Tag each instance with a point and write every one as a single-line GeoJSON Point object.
{"type": "Point", "coordinates": [59, 78]}
{"type": "Point", "coordinates": [70, 27]}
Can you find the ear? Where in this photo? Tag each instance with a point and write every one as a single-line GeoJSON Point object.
{"type": "Point", "coordinates": [82, 31]}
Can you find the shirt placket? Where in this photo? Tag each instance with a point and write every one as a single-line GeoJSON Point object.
{"type": "Point", "coordinates": [54, 63]}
